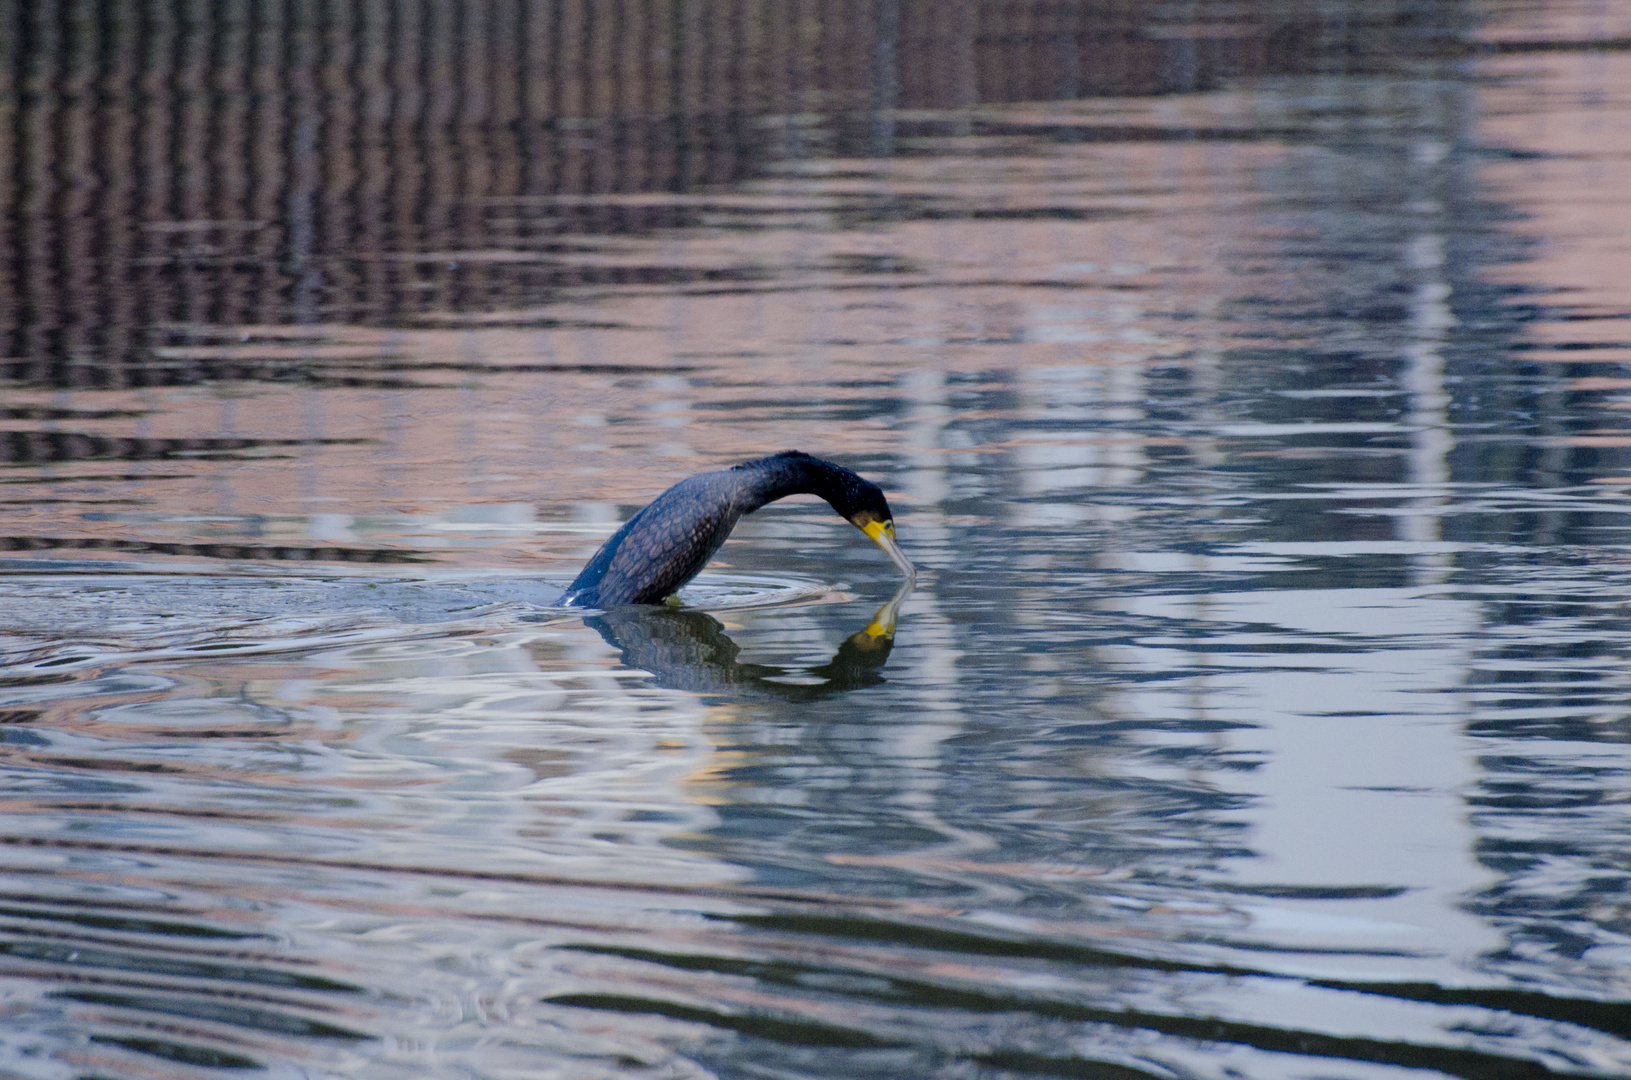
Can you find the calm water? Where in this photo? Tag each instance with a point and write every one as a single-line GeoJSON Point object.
{"type": "Point", "coordinates": [1263, 708]}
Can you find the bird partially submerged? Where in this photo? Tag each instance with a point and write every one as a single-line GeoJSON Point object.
{"type": "Point", "coordinates": [669, 542]}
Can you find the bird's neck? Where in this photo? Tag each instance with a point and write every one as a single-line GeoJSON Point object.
{"type": "Point", "coordinates": [781, 477]}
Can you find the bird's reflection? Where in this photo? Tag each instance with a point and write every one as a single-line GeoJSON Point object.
{"type": "Point", "coordinates": [689, 650]}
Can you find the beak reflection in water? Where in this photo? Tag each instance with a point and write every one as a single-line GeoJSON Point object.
{"type": "Point", "coordinates": [882, 626]}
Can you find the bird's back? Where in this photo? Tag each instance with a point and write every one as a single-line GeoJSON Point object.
{"type": "Point", "coordinates": [663, 546]}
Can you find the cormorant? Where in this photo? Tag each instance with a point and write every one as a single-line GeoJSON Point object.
{"type": "Point", "coordinates": [670, 541]}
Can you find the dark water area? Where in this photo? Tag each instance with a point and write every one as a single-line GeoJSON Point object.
{"type": "Point", "coordinates": [1251, 387]}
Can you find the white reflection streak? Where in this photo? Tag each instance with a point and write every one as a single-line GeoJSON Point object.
{"type": "Point", "coordinates": [672, 409]}
{"type": "Point", "coordinates": [1366, 762]}
{"type": "Point", "coordinates": [1067, 459]}
{"type": "Point", "coordinates": [1422, 378]}
{"type": "Point", "coordinates": [928, 413]}
{"type": "Point", "coordinates": [1204, 449]}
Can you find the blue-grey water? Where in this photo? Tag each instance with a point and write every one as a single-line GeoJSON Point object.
{"type": "Point", "coordinates": [1255, 413]}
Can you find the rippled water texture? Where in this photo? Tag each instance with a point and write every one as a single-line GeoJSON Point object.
{"type": "Point", "coordinates": [1250, 383]}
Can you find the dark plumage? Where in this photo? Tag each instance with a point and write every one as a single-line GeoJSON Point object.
{"type": "Point", "coordinates": [669, 542]}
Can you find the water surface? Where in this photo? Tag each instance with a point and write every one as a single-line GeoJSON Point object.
{"type": "Point", "coordinates": [1251, 397]}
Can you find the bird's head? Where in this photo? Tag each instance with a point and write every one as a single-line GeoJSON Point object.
{"type": "Point", "coordinates": [870, 513]}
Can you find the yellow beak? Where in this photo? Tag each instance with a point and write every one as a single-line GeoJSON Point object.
{"type": "Point", "coordinates": [882, 533]}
